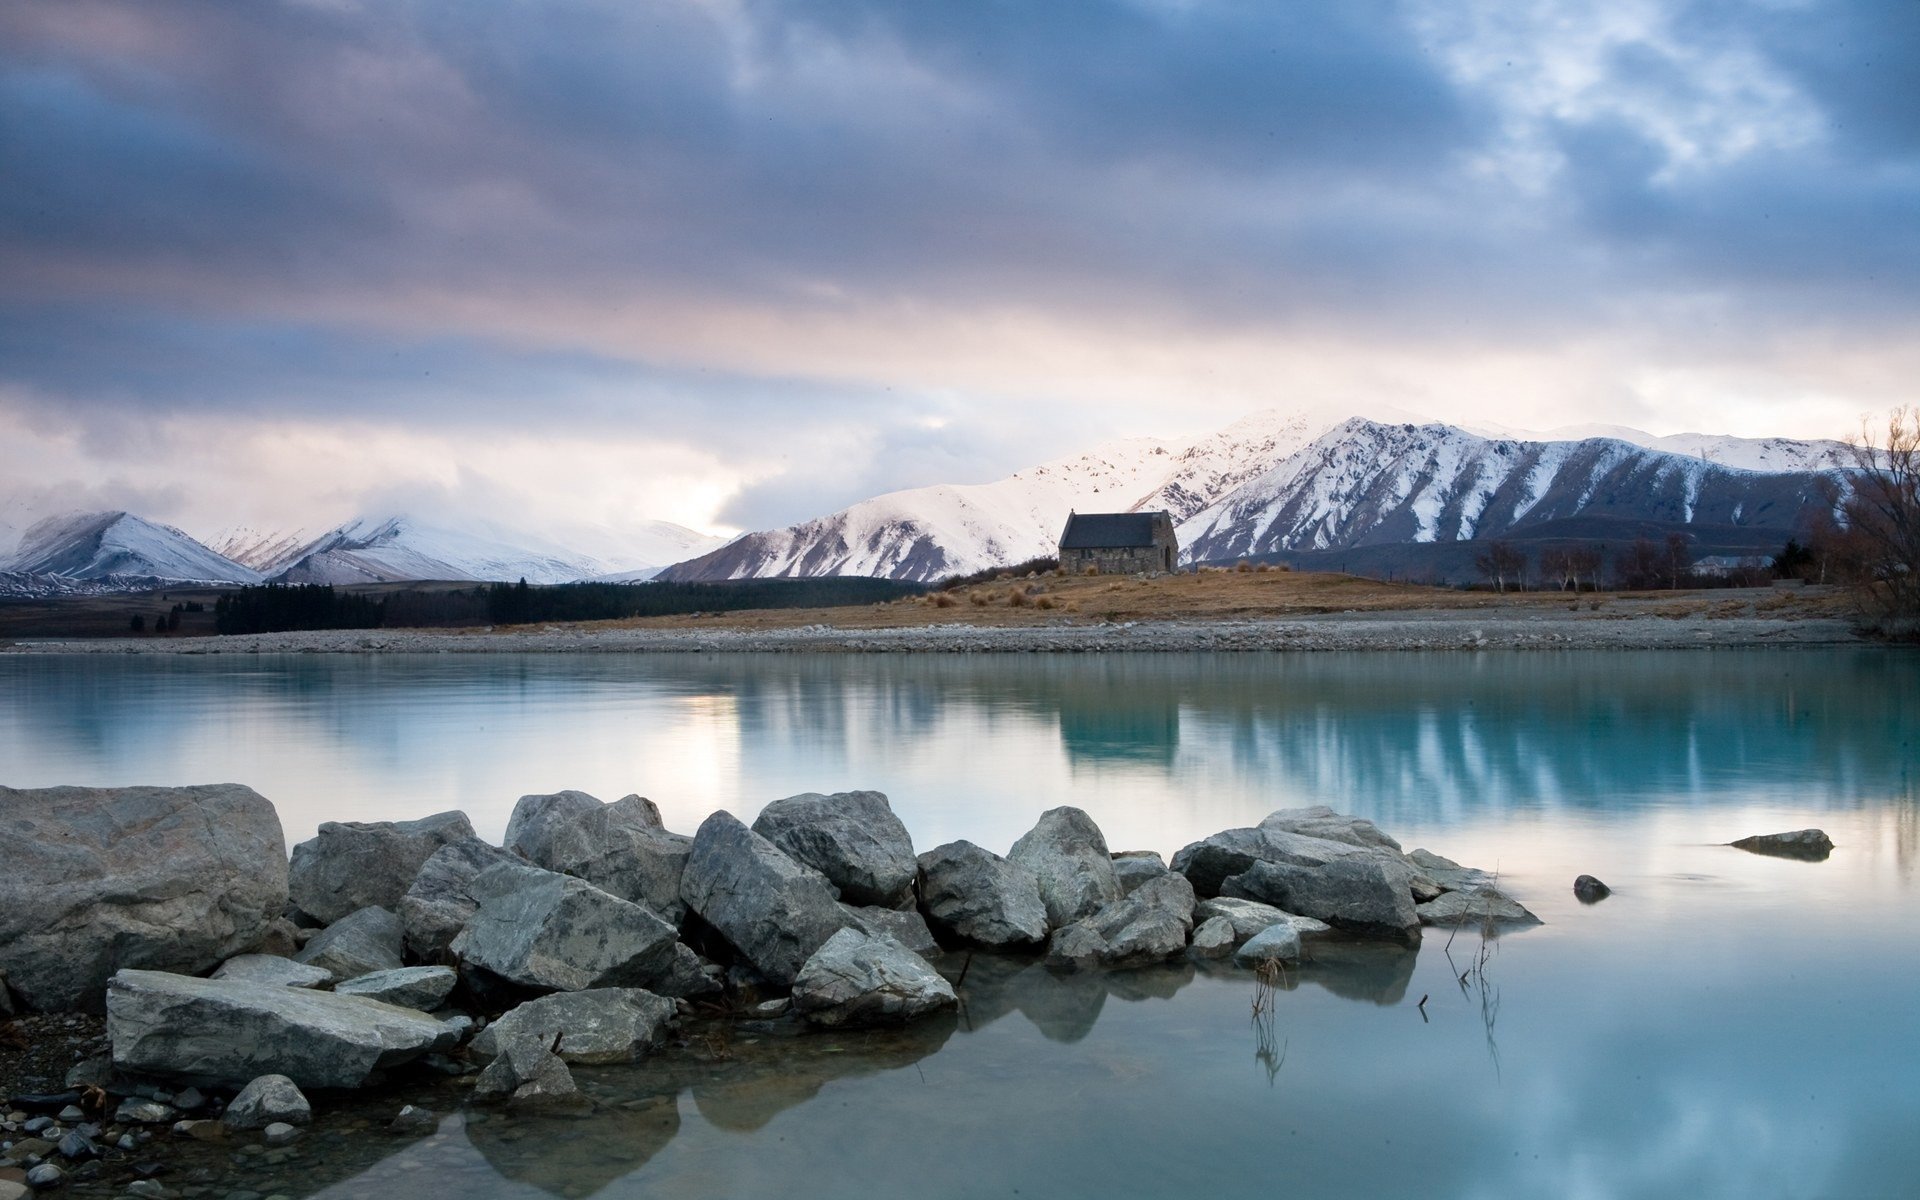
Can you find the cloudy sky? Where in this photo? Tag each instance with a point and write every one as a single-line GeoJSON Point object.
{"type": "Point", "coordinates": [734, 263]}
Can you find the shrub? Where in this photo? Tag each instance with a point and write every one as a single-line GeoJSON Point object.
{"type": "Point", "coordinates": [1044, 602]}
{"type": "Point", "coordinates": [978, 599]}
{"type": "Point", "coordinates": [1092, 570]}
{"type": "Point", "coordinates": [943, 600]}
{"type": "Point", "coordinates": [1243, 566]}
{"type": "Point", "coordinates": [1017, 599]}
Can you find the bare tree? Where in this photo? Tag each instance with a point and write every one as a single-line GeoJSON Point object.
{"type": "Point", "coordinates": [1585, 561]}
{"type": "Point", "coordinates": [1677, 563]}
{"type": "Point", "coordinates": [1501, 563]}
{"type": "Point", "coordinates": [1883, 515]}
{"type": "Point", "coordinates": [1556, 567]}
{"type": "Point", "coordinates": [1639, 567]}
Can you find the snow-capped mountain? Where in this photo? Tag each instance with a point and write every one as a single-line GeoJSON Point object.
{"type": "Point", "coordinates": [401, 548]}
{"type": "Point", "coordinates": [264, 550]}
{"type": "Point", "coordinates": [1750, 454]}
{"type": "Point", "coordinates": [1310, 480]}
{"type": "Point", "coordinates": [110, 545]}
{"type": "Point", "coordinates": [926, 533]}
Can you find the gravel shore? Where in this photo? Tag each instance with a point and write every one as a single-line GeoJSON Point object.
{"type": "Point", "coordinates": [1439, 629]}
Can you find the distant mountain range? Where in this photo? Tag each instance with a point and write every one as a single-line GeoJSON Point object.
{"type": "Point", "coordinates": [1319, 487]}
{"type": "Point", "coordinates": [1304, 485]}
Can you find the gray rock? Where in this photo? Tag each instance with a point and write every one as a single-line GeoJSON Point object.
{"type": "Point", "coordinates": [1450, 875]}
{"type": "Point", "coordinates": [1250, 917]}
{"type": "Point", "coordinates": [440, 901]}
{"type": "Point", "coordinates": [601, 1025]}
{"type": "Point", "coordinates": [188, 1099]}
{"type": "Point", "coordinates": [529, 1075]}
{"type": "Point", "coordinates": [280, 1134]}
{"type": "Point", "coordinates": [853, 838]}
{"type": "Point", "coordinates": [6, 997]}
{"type": "Point", "coordinates": [97, 879]}
{"type": "Point", "coordinates": [1808, 845]}
{"type": "Point", "coordinates": [149, 1189]}
{"type": "Point", "coordinates": [1068, 856]}
{"type": "Point", "coordinates": [1304, 837]}
{"type": "Point", "coordinates": [1319, 821]}
{"type": "Point", "coordinates": [409, 987]}
{"type": "Point", "coordinates": [1151, 925]}
{"type": "Point", "coordinates": [14, 1190]}
{"type": "Point", "coordinates": [266, 1099]}
{"type": "Point", "coordinates": [688, 975]}
{"type": "Point", "coordinates": [225, 1033]}
{"type": "Point", "coordinates": [1362, 895]}
{"type": "Point", "coordinates": [271, 968]}
{"type": "Point", "coordinates": [76, 1146]}
{"type": "Point", "coordinates": [774, 911]}
{"type": "Point", "coordinates": [1214, 938]}
{"type": "Point", "coordinates": [357, 944]}
{"type": "Point", "coordinates": [975, 895]}
{"type": "Point", "coordinates": [903, 925]}
{"type": "Point", "coordinates": [1589, 890]}
{"type": "Point", "coordinates": [46, 1177]}
{"type": "Point", "coordinates": [351, 865]}
{"type": "Point", "coordinates": [1277, 943]}
{"type": "Point", "coordinates": [1135, 867]}
{"type": "Point", "coordinates": [621, 848]}
{"type": "Point", "coordinates": [136, 1111]}
{"type": "Point", "coordinates": [281, 939]}
{"type": "Point", "coordinates": [552, 932]}
{"type": "Point", "coordinates": [414, 1121]}
{"type": "Point", "coordinates": [1474, 908]}
{"type": "Point", "coordinates": [858, 979]}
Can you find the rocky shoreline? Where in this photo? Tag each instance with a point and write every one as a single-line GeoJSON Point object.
{"type": "Point", "coordinates": [244, 988]}
{"type": "Point", "coordinates": [1424, 629]}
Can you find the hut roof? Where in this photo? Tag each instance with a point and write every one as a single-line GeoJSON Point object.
{"type": "Point", "coordinates": [1096, 531]}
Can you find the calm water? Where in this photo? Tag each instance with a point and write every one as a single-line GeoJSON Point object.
{"type": "Point", "coordinates": [1724, 1025]}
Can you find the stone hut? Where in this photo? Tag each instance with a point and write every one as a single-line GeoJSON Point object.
{"type": "Point", "coordinates": [1131, 543]}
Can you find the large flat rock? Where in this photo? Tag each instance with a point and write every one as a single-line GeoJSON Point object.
{"type": "Point", "coordinates": [225, 1033]}
{"type": "Point", "coordinates": [97, 879]}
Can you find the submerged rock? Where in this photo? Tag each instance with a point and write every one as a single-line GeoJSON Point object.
{"type": "Point", "coordinates": [1808, 845]}
{"type": "Point", "coordinates": [1150, 925]}
{"type": "Point", "coordinates": [422, 988]}
{"type": "Point", "coordinates": [975, 895]}
{"type": "Point", "coordinates": [853, 838]}
{"type": "Point", "coordinates": [271, 968]}
{"type": "Point", "coordinates": [528, 1075]}
{"type": "Point", "coordinates": [352, 865]}
{"type": "Point", "coordinates": [359, 943]}
{"type": "Point", "coordinates": [1589, 890]}
{"type": "Point", "coordinates": [601, 1025]}
{"type": "Point", "coordinates": [225, 1033]}
{"type": "Point", "coordinates": [551, 932]}
{"type": "Point", "coordinates": [859, 979]}
{"type": "Point", "coordinates": [1363, 895]}
{"type": "Point", "coordinates": [1474, 908]}
{"type": "Point", "coordinates": [96, 879]}
{"type": "Point", "coordinates": [1068, 856]}
{"type": "Point", "coordinates": [440, 901]}
{"type": "Point", "coordinates": [1214, 938]}
{"type": "Point", "coordinates": [776, 912]}
{"type": "Point", "coordinates": [265, 1100]}
{"type": "Point", "coordinates": [621, 848]}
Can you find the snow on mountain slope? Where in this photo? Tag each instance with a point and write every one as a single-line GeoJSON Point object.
{"type": "Point", "coordinates": [98, 545]}
{"type": "Point", "coordinates": [1749, 454]}
{"type": "Point", "coordinates": [1366, 483]}
{"type": "Point", "coordinates": [265, 550]}
{"type": "Point", "coordinates": [401, 548]}
{"type": "Point", "coordinates": [926, 533]}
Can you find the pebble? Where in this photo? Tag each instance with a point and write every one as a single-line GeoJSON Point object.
{"type": "Point", "coordinates": [46, 1177]}
{"type": "Point", "coordinates": [78, 1147]}
{"type": "Point", "coordinates": [38, 1125]}
{"type": "Point", "coordinates": [280, 1134]}
{"type": "Point", "coordinates": [414, 1120]}
{"type": "Point", "coordinates": [72, 1113]}
{"type": "Point", "coordinates": [148, 1189]}
{"type": "Point", "coordinates": [142, 1112]}
{"type": "Point", "coordinates": [190, 1099]}
{"type": "Point", "coordinates": [10, 1190]}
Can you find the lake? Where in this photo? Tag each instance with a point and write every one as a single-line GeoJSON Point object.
{"type": "Point", "coordinates": [1724, 1025]}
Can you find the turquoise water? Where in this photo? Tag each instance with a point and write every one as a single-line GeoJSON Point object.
{"type": "Point", "coordinates": [1724, 1025]}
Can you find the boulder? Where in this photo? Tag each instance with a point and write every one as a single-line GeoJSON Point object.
{"type": "Point", "coordinates": [440, 901]}
{"type": "Point", "coordinates": [1304, 837]}
{"type": "Point", "coordinates": [1363, 895]}
{"type": "Point", "coordinates": [858, 979]}
{"type": "Point", "coordinates": [1214, 938]}
{"type": "Point", "coordinates": [975, 895]}
{"type": "Point", "coordinates": [271, 968]}
{"type": "Point", "coordinates": [226, 1033]}
{"type": "Point", "coordinates": [688, 975]}
{"type": "Point", "coordinates": [1276, 943]}
{"type": "Point", "coordinates": [359, 943]}
{"type": "Point", "coordinates": [1134, 867]}
{"type": "Point", "coordinates": [1319, 821]}
{"type": "Point", "coordinates": [852, 838]}
{"type": "Point", "coordinates": [903, 925]}
{"type": "Point", "coordinates": [1249, 917]}
{"type": "Point", "coordinates": [620, 848]}
{"type": "Point", "coordinates": [551, 932]}
{"type": "Point", "coordinates": [1151, 925]}
{"type": "Point", "coordinates": [351, 865]}
{"type": "Point", "coordinates": [774, 911]}
{"type": "Point", "coordinates": [1808, 845]}
{"type": "Point", "coordinates": [1589, 890]}
{"type": "Point", "coordinates": [528, 1075]}
{"type": "Point", "coordinates": [1068, 855]}
{"type": "Point", "coordinates": [265, 1100]}
{"type": "Point", "coordinates": [600, 1025]}
{"type": "Point", "coordinates": [1474, 908]}
{"type": "Point", "coordinates": [96, 879]}
{"type": "Point", "coordinates": [1450, 875]}
{"type": "Point", "coordinates": [422, 988]}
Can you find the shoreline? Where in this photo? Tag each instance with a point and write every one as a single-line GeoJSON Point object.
{"type": "Point", "coordinates": [1516, 628]}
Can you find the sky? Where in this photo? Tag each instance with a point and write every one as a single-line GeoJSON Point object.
{"type": "Point", "coordinates": [737, 263]}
